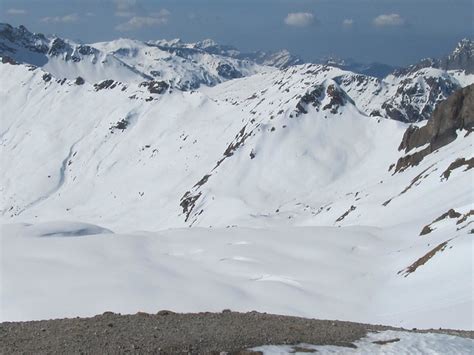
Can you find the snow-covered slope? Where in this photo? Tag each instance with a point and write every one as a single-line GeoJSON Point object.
{"type": "Point", "coordinates": [297, 183]}
{"type": "Point", "coordinates": [284, 158]}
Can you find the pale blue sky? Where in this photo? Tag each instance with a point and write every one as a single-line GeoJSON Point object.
{"type": "Point", "coordinates": [396, 32]}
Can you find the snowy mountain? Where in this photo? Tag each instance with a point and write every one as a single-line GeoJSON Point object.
{"type": "Point", "coordinates": [121, 60]}
{"type": "Point", "coordinates": [460, 60]}
{"type": "Point", "coordinates": [279, 59]}
{"type": "Point", "coordinates": [378, 70]}
{"type": "Point", "coordinates": [306, 183]}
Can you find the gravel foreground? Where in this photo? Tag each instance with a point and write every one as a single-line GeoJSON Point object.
{"type": "Point", "coordinates": [170, 333]}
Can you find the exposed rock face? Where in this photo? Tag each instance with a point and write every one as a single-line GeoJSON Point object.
{"type": "Point", "coordinates": [228, 71]}
{"type": "Point", "coordinates": [337, 98]}
{"type": "Point", "coordinates": [415, 101]}
{"type": "Point", "coordinates": [9, 60]}
{"type": "Point", "coordinates": [312, 97]}
{"type": "Point", "coordinates": [35, 42]}
{"type": "Point", "coordinates": [79, 81]}
{"type": "Point", "coordinates": [155, 87]}
{"type": "Point", "coordinates": [329, 94]}
{"type": "Point", "coordinates": [462, 58]}
{"type": "Point", "coordinates": [47, 77]}
{"type": "Point", "coordinates": [451, 115]}
{"type": "Point", "coordinates": [106, 84]}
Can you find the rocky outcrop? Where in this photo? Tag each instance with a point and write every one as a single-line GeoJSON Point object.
{"type": "Point", "coordinates": [462, 58]}
{"type": "Point", "coordinates": [79, 81]}
{"type": "Point", "coordinates": [326, 97]}
{"type": "Point", "coordinates": [417, 97]}
{"type": "Point", "coordinates": [155, 87]}
{"type": "Point", "coordinates": [453, 114]}
{"type": "Point", "coordinates": [227, 71]}
{"type": "Point", "coordinates": [8, 60]}
{"type": "Point", "coordinates": [105, 84]}
{"type": "Point", "coordinates": [312, 98]}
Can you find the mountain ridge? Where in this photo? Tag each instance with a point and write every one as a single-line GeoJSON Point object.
{"type": "Point", "coordinates": [247, 190]}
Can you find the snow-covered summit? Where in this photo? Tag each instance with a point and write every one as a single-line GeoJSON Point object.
{"type": "Point", "coordinates": [280, 59]}
{"type": "Point", "coordinates": [461, 59]}
{"type": "Point", "coordinates": [123, 59]}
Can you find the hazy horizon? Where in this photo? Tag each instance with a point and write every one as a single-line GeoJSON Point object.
{"type": "Point", "coordinates": [395, 32]}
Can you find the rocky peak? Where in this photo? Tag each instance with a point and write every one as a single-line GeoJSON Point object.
{"type": "Point", "coordinates": [11, 37]}
{"type": "Point", "coordinates": [462, 57]}
{"type": "Point", "coordinates": [279, 59]}
{"type": "Point", "coordinates": [327, 96]}
{"type": "Point", "coordinates": [454, 114]}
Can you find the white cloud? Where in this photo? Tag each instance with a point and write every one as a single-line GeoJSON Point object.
{"type": "Point", "coordinates": [161, 13]}
{"type": "Point", "coordinates": [299, 19]}
{"type": "Point", "coordinates": [71, 18]}
{"type": "Point", "coordinates": [137, 22]}
{"type": "Point", "coordinates": [389, 20]}
{"type": "Point", "coordinates": [125, 8]}
{"type": "Point", "coordinates": [16, 12]}
{"type": "Point", "coordinates": [348, 22]}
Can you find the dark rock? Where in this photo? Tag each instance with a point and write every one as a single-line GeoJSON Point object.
{"type": "Point", "coordinates": [164, 313]}
{"type": "Point", "coordinates": [457, 164]}
{"type": "Point", "coordinates": [453, 114]}
{"type": "Point", "coordinates": [155, 87]}
{"type": "Point", "coordinates": [227, 71]}
{"type": "Point", "coordinates": [121, 125]}
{"type": "Point", "coordinates": [79, 81]}
{"type": "Point", "coordinates": [105, 84]}
{"type": "Point", "coordinates": [405, 104]}
{"type": "Point", "coordinates": [450, 214]}
{"type": "Point", "coordinates": [344, 215]}
{"type": "Point", "coordinates": [9, 60]}
{"type": "Point", "coordinates": [383, 342]}
{"type": "Point", "coordinates": [426, 230]}
{"type": "Point", "coordinates": [338, 98]}
{"type": "Point", "coordinates": [47, 77]}
{"type": "Point", "coordinates": [57, 47]}
{"type": "Point", "coordinates": [312, 97]}
{"type": "Point", "coordinates": [462, 57]}
{"type": "Point", "coordinates": [188, 202]}
{"type": "Point", "coordinates": [86, 50]}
